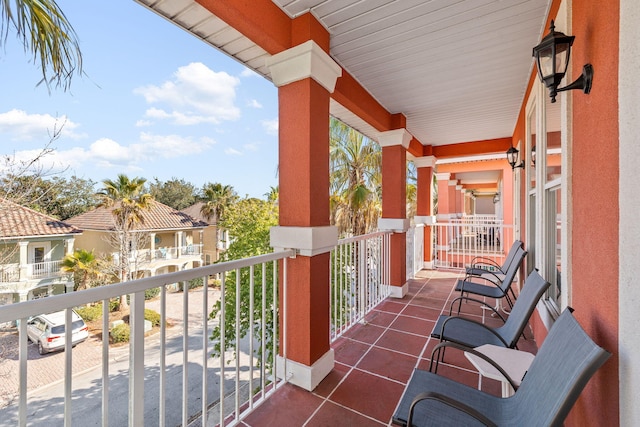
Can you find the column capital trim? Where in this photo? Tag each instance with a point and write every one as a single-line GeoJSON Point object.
{"type": "Point", "coordinates": [425, 162]}
{"type": "Point", "coordinates": [395, 137]}
{"type": "Point", "coordinates": [303, 61]}
{"type": "Point", "coordinates": [443, 176]}
{"type": "Point", "coordinates": [425, 219]}
{"type": "Point", "coordinates": [308, 241]}
{"type": "Point", "coordinates": [397, 225]}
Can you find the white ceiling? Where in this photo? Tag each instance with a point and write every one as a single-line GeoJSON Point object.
{"type": "Point", "coordinates": [457, 69]}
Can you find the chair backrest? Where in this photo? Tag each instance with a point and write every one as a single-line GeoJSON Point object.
{"type": "Point", "coordinates": [521, 311]}
{"type": "Point", "coordinates": [565, 362]}
{"type": "Point", "coordinates": [510, 273]}
{"type": "Point", "coordinates": [511, 254]}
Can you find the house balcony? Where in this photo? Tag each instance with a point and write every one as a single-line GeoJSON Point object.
{"type": "Point", "coordinates": [40, 270]}
{"type": "Point", "coordinates": [180, 375]}
{"type": "Point", "coordinates": [152, 259]}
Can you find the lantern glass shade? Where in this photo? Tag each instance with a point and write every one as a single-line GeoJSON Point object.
{"type": "Point", "coordinates": [512, 156]}
{"type": "Point", "coordinates": [552, 58]}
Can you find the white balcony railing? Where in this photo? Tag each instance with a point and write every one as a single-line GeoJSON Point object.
{"type": "Point", "coordinates": [458, 241]}
{"type": "Point", "coordinates": [360, 279]}
{"type": "Point", "coordinates": [415, 250]}
{"type": "Point", "coordinates": [232, 350]}
{"type": "Point", "coordinates": [243, 366]}
{"type": "Point", "coordinates": [39, 270]}
{"type": "Point", "coordinates": [9, 273]}
{"type": "Point", "coordinates": [43, 269]}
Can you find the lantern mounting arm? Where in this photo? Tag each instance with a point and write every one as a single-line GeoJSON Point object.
{"type": "Point", "coordinates": [583, 82]}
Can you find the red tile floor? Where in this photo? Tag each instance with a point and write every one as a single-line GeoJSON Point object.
{"type": "Point", "coordinates": [374, 361]}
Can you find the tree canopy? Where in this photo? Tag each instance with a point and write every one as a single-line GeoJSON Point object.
{"type": "Point", "coordinates": [175, 192]}
{"type": "Point", "coordinates": [58, 197]}
{"type": "Point", "coordinates": [217, 198]}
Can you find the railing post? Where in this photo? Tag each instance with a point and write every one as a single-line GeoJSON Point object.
{"type": "Point", "coordinates": [136, 360]}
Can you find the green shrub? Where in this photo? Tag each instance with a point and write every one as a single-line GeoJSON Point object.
{"type": "Point", "coordinates": [152, 316]}
{"type": "Point", "coordinates": [90, 313]}
{"type": "Point", "coordinates": [114, 305]}
{"type": "Point", "coordinates": [151, 293]}
{"type": "Point", "coordinates": [120, 333]}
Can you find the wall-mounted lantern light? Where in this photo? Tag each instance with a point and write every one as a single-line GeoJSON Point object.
{"type": "Point", "coordinates": [512, 158]}
{"type": "Point", "coordinates": [533, 156]}
{"type": "Point", "coordinates": [552, 58]}
{"type": "Point", "coordinates": [496, 198]}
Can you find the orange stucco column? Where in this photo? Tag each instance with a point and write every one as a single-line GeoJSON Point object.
{"type": "Point", "coordinates": [305, 76]}
{"type": "Point", "coordinates": [394, 145]}
{"type": "Point", "coordinates": [424, 205]}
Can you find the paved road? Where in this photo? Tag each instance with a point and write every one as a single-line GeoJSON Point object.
{"type": "Point", "coordinates": [46, 404]}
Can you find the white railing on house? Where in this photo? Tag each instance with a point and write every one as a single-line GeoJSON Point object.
{"type": "Point", "coordinates": [243, 366]}
{"type": "Point", "coordinates": [38, 270]}
{"type": "Point", "coordinates": [9, 273]}
{"type": "Point", "coordinates": [43, 269]}
{"type": "Point", "coordinates": [360, 279]}
{"type": "Point", "coordinates": [458, 241]}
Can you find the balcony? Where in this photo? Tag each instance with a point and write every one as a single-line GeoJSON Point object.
{"type": "Point", "coordinates": [39, 270]}
{"type": "Point", "coordinates": [178, 375]}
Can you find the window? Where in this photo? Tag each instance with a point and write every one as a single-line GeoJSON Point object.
{"type": "Point", "coordinates": [544, 185]}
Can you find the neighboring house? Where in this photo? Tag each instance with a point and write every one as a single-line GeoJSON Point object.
{"type": "Point", "coordinates": [165, 241]}
{"type": "Point", "coordinates": [32, 246]}
{"type": "Point", "coordinates": [215, 240]}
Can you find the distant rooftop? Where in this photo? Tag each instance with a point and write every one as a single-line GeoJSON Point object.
{"type": "Point", "coordinates": [195, 211]}
{"type": "Point", "coordinates": [159, 217]}
{"type": "Point", "coordinates": [19, 221]}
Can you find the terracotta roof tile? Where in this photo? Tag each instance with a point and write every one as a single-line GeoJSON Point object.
{"type": "Point", "coordinates": [194, 211]}
{"type": "Point", "coordinates": [159, 217]}
{"type": "Point", "coordinates": [18, 221]}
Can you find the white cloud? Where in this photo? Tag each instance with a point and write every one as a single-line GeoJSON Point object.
{"type": "Point", "coordinates": [254, 103]}
{"type": "Point", "coordinates": [22, 126]}
{"type": "Point", "coordinates": [270, 126]}
{"type": "Point", "coordinates": [197, 94]}
{"type": "Point", "coordinates": [232, 152]}
{"type": "Point", "coordinates": [106, 153]}
{"type": "Point", "coordinates": [247, 72]}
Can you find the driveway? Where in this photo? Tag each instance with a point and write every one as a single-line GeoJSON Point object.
{"type": "Point", "coordinates": [44, 370]}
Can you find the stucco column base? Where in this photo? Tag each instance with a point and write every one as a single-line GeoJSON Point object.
{"type": "Point", "coordinates": [307, 377]}
{"type": "Point", "coordinates": [398, 291]}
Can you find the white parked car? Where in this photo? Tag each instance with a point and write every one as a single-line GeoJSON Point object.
{"type": "Point", "coordinates": [47, 330]}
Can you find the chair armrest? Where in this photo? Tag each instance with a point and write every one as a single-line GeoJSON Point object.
{"type": "Point", "coordinates": [455, 404]}
{"type": "Point", "coordinates": [479, 260]}
{"type": "Point", "coordinates": [489, 307]}
{"type": "Point", "coordinates": [487, 280]}
{"type": "Point", "coordinates": [463, 319]}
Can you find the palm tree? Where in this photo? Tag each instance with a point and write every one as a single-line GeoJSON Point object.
{"type": "Point", "coordinates": [127, 201]}
{"type": "Point", "coordinates": [273, 194]}
{"type": "Point", "coordinates": [217, 198]}
{"type": "Point", "coordinates": [44, 31]}
{"type": "Point", "coordinates": [355, 168]}
{"type": "Point", "coordinates": [84, 266]}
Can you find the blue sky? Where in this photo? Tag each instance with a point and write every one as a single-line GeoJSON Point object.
{"type": "Point", "coordinates": [155, 102]}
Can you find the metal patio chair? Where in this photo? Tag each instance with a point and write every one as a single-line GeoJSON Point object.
{"type": "Point", "coordinates": [492, 284]}
{"type": "Point", "coordinates": [481, 265]}
{"type": "Point", "coordinates": [470, 333]}
{"type": "Point", "coordinates": [565, 362]}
